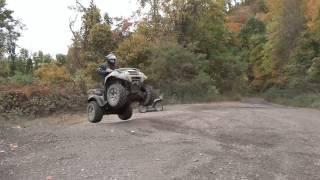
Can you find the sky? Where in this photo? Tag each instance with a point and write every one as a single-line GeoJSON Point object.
{"type": "Point", "coordinates": [47, 21]}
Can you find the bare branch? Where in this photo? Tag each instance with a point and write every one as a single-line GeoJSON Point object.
{"type": "Point", "coordinates": [71, 26]}
{"type": "Point", "coordinates": [81, 7]}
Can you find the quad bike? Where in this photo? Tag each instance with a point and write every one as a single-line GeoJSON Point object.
{"type": "Point", "coordinates": [156, 106]}
{"type": "Point", "coordinates": [122, 88]}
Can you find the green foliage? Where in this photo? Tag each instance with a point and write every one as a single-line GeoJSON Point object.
{"type": "Point", "coordinates": [303, 67]}
{"type": "Point", "coordinates": [251, 28]}
{"type": "Point", "coordinates": [293, 97]}
{"type": "Point", "coordinates": [177, 72]}
{"type": "Point", "coordinates": [314, 71]}
{"type": "Point", "coordinates": [284, 30]}
{"type": "Point", "coordinates": [93, 41]}
{"type": "Point", "coordinates": [20, 78]}
{"type": "Point", "coordinates": [40, 58]}
{"type": "Point", "coordinates": [100, 39]}
{"type": "Point", "coordinates": [62, 59]}
{"type": "Point", "coordinates": [5, 68]}
{"type": "Point", "coordinates": [134, 51]}
{"type": "Point", "coordinates": [194, 21]}
{"type": "Point", "coordinates": [253, 39]}
{"type": "Point", "coordinates": [9, 34]}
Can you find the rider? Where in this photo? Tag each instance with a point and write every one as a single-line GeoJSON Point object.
{"type": "Point", "coordinates": [105, 69]}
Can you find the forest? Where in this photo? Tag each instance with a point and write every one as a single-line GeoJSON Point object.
{"type": "Point", "coordinates": [191, 50]}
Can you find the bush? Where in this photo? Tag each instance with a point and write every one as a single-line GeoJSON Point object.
{"type": "Point", "coordinates": [293, 97]}
{"type": "Point", "coordinates": [21, 78]}
{"type": "Point", "coordinates": [51, 73]}
{"type": "Point", "coordinates": [3, 80]}
{"type": "Point", "coordinates": [177, 72]}
{"type": "Point", "coordinates": [30, 101]}
{"type": "Point", "coordinates": [5, 69]}
{"type": "Point", "coordinates": [314, 70]}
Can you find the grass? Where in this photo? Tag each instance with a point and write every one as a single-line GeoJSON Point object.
{"type": "Point", "coordinates": [292, 97]}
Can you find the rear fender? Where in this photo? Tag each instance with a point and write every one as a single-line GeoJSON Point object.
{"type": "Point", "coordinates": [99, 99]}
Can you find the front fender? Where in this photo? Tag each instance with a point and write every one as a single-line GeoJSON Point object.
{"type": "Point", "coordinates": [99, 99]}
{"type": "Point", "coordinates": [116, 74]}
{"type": "Point", "coordinates": [157, 100]}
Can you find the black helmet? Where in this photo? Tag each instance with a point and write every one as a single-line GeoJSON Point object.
{"type": "Point", "coordinates": [111, 59]}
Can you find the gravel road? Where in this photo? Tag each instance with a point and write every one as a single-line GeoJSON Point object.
{"type": "Point", "coordinates": [225, 141]}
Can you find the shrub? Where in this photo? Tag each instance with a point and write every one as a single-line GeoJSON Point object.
{"type": "Point", "coordinates": [314, 70]}
{"type": "Point", "coordinates": [51, 73]}
{"type": "Point", "coordinates": [178, 73]}
{"type": "Point", "coordinates": [293, 97]}
{"type": "Point", "coordinates": [21, 78]}
{"type": "Point", "coordinates": [5, 70]}
{"type": "Point", "coordinates": [35, 100]}
{"type": "Point", "coordinates": [3, 80]}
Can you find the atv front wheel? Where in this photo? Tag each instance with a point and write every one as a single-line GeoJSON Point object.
{"type": "Point", "coordinates": [143, 109]}
{"type": "Point", "coordinates": [158, 106]}
{"type": "Point", "coordinates": [95, 112]}
{"type": "Point", "coordinates": [126, 113]}
{"type": "Point", "coordinates": [116, 95]}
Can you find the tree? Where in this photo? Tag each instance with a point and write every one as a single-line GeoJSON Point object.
{"type": "Point", "coordinates": [154, 12]}
{"type": "Point", "coordinates": [100, 39]}
{"type": "Point", "coordinates": [9, 33]}
{"type": "Point", "coordinates": [29, 67]}
{"type": "Point", "coordinates": [94, 39]}
{"type": "Point", "coordinates": [61, 59]}
{"type": "Point", "coordinates": [253, 39]}
{"type": "Point", "coordinates": [22, 60]}
{"type": "Point", "coordinates": [134, 51]}
{"type": "Point", "coordinates": [90, 18]}
{"type": "Point", "coordinates": [303, 67]}
{"type": "Point", "coordinates": [286, 26]}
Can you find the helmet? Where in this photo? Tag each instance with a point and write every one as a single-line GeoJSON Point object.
{"type": "Point", "coordinates": [111, 58]}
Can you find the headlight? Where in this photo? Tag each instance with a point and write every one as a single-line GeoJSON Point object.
{"type": "Point", "coordinates": [127, 76]}
{"type": "Point", "coordinates": [143, 75]}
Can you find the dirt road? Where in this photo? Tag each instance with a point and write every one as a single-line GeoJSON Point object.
{"type": "Point", "coordinates": [206, 141]}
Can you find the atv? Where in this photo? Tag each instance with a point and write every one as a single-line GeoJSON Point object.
{"type": "Point", "coordinates": [122, 87]}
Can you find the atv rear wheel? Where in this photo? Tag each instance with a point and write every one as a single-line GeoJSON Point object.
{"type": "Point", "coordinates": [126, 113]}
{"type": "Point", "coordinates": [95, 112]}
{"type": "Point", "coordinates": [117, 95]}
